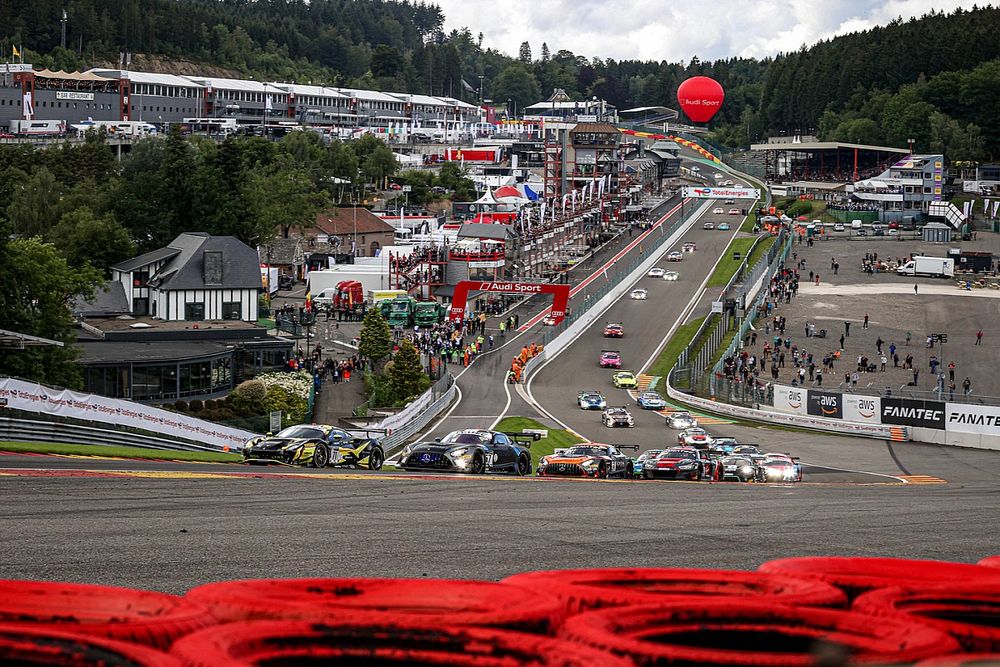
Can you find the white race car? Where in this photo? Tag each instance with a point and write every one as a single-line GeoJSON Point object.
{"type": "Point", "coordinates": [613, 417]}
{"type": "Point", "coordinates": [681, 420]}
{"type": "Point", "coordinates": [781, 468]}
{"type": "Point", "coordinates": [694, 437]}
{"type": "Point", "coordinates": [690, 246]}
{"type": "Point", "coordinates": [638, 294]}
{"type": "Point", "coordinates": [671, 275]}
{"type": "Point", "coordinates": [655, 272]}
{"type": "Point", "coordinates": [734, 211]}
{"type": "Point", "coordinates": [718, 210]}
{"type": "Point", "coordinates": [709, 225]}
{"type": "Point", "coordinates": [675, 256]}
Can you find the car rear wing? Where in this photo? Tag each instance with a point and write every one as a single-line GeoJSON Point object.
{"type": "Point", "coordinates": [618, 352]}
{"type": "Point", "coordinates": [588, 391]}
{"type": "Point", "coordinates": [632, 447]}
{"type": "Point", "coordinates": [366, 432]}
{"type": "Point", "coordinates": [612, 324]}
{"type": "Point", "coordinates": [524, 439]}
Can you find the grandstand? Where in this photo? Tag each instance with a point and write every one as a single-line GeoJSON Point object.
{"type": "Point", "coordinates": [792, 159]}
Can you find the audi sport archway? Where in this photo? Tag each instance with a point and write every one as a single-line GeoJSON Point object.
{"type": "Point", "coordinates": [560, 295]}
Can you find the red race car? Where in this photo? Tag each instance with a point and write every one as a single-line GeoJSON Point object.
{"type": "Point", "coordinates": [614, 330]}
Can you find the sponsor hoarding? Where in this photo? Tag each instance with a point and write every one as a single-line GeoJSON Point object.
{"type": "Point", "coordinates": [825, 404]}
{"type": "Point", "coordinates": [74, 95]}
{"type": "Point", "coordinates": [706, 192]}
{"type": "Point", "coordinates": [864, 409]}
{"type": "Point", "coordinates": [910, 412]}
{"type": "Point", "coordinates": [978, 419]}
{"type": "Point", "coordinates": [790, 399]}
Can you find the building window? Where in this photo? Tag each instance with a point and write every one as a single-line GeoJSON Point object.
{"type": "Point", "coordinates": [194, 311]}
{"type": "Point", "coordinates": [140, 279]}
{"type": "Point", "coordinates": [232, 310]}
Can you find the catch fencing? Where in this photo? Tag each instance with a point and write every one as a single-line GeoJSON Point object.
{"type": "Point", "coordinates": [403, 425]}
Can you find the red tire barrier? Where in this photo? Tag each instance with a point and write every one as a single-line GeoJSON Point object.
{"type": "Point", "coordinates": [963, 660]}
{"type": "Point", "coordinates": [583, 590]}
{"type": "Point", "coordinates": [57, 647]}
{"type": "Point", "coordinates": [732, 632]}
{"type": "Point", "coordinates": [434, 600]}
{"type": "Point", "coordinates": [125, 614]}
{"type": "Point", "coordinates": [362, 638]}
{"type": "Point", "coordinates": [968, 612]}
{"type": "Point", "coordinates": [990, 561]}
{"type": "Point", "coordinates": [859, 575]}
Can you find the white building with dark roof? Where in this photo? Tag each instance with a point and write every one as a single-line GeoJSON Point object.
{"type": "Point", "coordinates": [197, 277]}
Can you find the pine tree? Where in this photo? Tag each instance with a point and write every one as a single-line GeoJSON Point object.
{"type": "Point", "coordinates": [545, 53]}
{"type": "Point", "coordinates": [406, 376]}
{"type": "Point", "coordinates": [524, 53]}
{"type": "Point", "coordinates": [376, 337]}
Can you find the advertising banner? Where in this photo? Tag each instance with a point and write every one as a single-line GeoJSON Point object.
{"type": "Point", "coordinates": [706, 192]}
{"type": "Point", "coordinates": [978, 419]}
{"type": "Point", "coordinates": [911, 412]}
{"type": "Point", "coordinates": [864, 409]}
{"type": "Point", "coordinates": [790, 399]}
{"type": "Point", "coordinates": [31, 397]}
{"type": "Point", "coordinates": [825, 404]}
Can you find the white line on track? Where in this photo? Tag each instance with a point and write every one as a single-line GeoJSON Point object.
{"type": "Point", "coordinates": [856, 472]}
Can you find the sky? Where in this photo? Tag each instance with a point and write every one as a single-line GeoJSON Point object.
{"type": "Point", "coordinates": [674, 30]}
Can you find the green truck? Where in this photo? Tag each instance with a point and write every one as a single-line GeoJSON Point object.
{"type": "Point", "coordinates": [399, 312]}
{"type": "Point", "coordinates": [429, 313]}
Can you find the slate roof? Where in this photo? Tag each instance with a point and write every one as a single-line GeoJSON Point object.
{"type": "Point", "coordinates": [145, 259]}
{"type": "Point", "coordinates": [109, 299]}
{"type": "Point", "coordinates": [185, 266]}
{"type": "Point", "coordinates": [340, 222]}
{"type": "Point", "coordinates": [478, 230]}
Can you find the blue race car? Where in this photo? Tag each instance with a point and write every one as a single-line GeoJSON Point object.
{"type": "Point", "coordinates": [637, 463]}
{"type": "Point", "coordinates": [724, 444]}
{"type": "Point", "coordinates": [591, 400]}
{"type": "Point", "coordinates": [650, 400]}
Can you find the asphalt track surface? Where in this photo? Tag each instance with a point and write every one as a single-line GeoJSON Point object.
{"type": "Point", "coordinates": [170, 526]}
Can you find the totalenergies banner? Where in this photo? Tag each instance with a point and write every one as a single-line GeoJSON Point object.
{"type": "Point", "coordinates": [31, 397]}
{"type": "Point", "coordinates": [706, 192]}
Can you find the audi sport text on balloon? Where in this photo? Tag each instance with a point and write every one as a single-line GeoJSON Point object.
{"type": "Point", "coordinates": [701, 98]}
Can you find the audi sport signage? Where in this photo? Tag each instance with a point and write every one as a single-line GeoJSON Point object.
{"type": "Point", "coordinates": [560, 295]}
{"type": "Point", "coordinates": [516, 288]}
{"type": "Point", "coordinates": [909, 412]}
{"type": "Point", "coordinates": [706, 192]}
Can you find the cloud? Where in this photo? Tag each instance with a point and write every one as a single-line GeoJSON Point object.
{"type": "Point", "coordinates": [654, 30]}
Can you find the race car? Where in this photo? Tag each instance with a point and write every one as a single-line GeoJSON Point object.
{"type": "Point", "coordinates": [474, 451]}
{"type": "Point", "coordinates": [681, 420]}
{"type": "Point", "coordinates": [614, 330]}
{"type": "Point", "coordinates": [549, 321]}
{"type": "Point", "coordinates": [690, 246]}
{"type": "Point", "coordinates": [615, 417]}
{"type": "Point", "coordinates": [694, 437]}
{"type": "Point", "coordinates": [678, 463]}
{"type": "Point", "coordinates": [638, 294]}
{"type": "Point", "coordinates": [746, 450]}
{"type": "Point", "coordinates": [587, 460]}
{"type": "Point", "coordinates": [718, 210]}
{"type": "Point", "coordinates": [650, 400]}
{"type": "Point", "coordinates": [781, 468]}
{"type": "Point", "coordinates": [730, 201]}
{"type": "Point", "coordinates": [316, 445]}
{"type": "Point", "coordinates": [723, 226]}
{"type": "Point", "coordinates": [624, 380]}
{"type": "Point", "coordinates": [740, 469]}
{"type": "Point", "coordinates": [655, 272]}
{"type": "Point", "coordinates": [708, 225]}
{"type": "Point", "coordinates": [591, 400]}
{"type": "Point", "coordinates": [675, 256]}
{"type": "Point", "coordinates": [610, 359]}
{"type": "Point", "coordinates": [734, 211]}
{"type": "Point", "coordinates": [724, 444]}
{"type": "Point", "coordinates": [671, 275]}
{"type": "Point", "coordinates": [648, 455]}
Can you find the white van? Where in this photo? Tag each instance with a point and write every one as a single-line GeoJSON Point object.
{"type": "Point", "coordinates": [855, 225]}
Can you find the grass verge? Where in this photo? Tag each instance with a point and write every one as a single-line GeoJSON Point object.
{"type": "Point", "coordinates": [674, 347]}
{"type": "Point", "coordinates": [114, 451]}
{"type": "Point", "coordinates": [557, 437]}
{"type": "Point", "coordinates": [727, 266]}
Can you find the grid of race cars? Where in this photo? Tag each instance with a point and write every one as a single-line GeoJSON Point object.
{"type": "Point", "coordinates": [696, 456]}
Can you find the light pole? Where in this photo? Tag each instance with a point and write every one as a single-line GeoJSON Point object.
{"type": "Point", "coordinates": [481, 77]}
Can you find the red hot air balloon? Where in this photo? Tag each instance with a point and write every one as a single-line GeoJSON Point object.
{"type": "Point", "coordinates": [701, 98]}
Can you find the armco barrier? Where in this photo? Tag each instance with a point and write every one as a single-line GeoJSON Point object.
{"type": "Point", "coordinates": [581, 323]}
{"type": "Point", "coordinates": [29, 430]}
{"type": "Point", "coordinates": [405, 424]}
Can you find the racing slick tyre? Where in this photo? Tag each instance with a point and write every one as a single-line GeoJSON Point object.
{"type": "Point", "coordinates": [741, 632]}
{"type": "Point", "coordinates": [968, 612]}
{"type": "Point", "coordinates": [523, 466]}
{"type": "Point", "coordinates": [123, 614]}
{"type": "Point", "coordinates": [962, 660]}
{"type": "Point", "coordinates": [370, 640]}
{"type": "Point", "coordinates": [433, 601]}
{"type": "Point", "coordinates": [602, 470]}
{"type": "Point", "coordinates": [478, 464]}
{"type": "Point", "coordinates": [860, 575]}
{"type": "Point", "coordinates": [584, 590]}
{"type": "Point", "coordinates": [376, 458]}
{"type": "Point", "coordinates": [321, 456]}
{"type": "Point", "coordinates": [54, 645]}
{"type": "Point", "coordinates": [990, 561]}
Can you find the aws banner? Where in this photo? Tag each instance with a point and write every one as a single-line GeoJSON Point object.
{"type": "Point", "coordinates": [825, 404]}
{"type": "Point", "coordinates": [790, 399]}
{"type": "Point", "coordinates": [864, 409]}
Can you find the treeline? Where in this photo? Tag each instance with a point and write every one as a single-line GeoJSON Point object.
{"type": "Point", "coordinates": [932, 79]}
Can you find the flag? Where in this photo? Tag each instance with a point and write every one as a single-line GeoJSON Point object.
{"type": "Point", "coordinates": [267, 103]}
{"type": "Point", "coordinates": [986, 207]}
{"type": "Point", "coordinates": [309, 301]}
{"type": "Point", "coordinates": [16, 53]}
{"type": "Point", "coordinates": [996, 208]}
{"type": "Point", "coordinates": [29, 108]}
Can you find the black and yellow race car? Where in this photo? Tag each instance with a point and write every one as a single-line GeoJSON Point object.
{"type": "Point", "coordinates": [316, 445]}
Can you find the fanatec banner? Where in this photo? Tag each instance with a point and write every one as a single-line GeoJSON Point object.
{"type": "Point", "coordinates": [978, 419]}
{"type": "Point", "coordinates": [910, 412]}
{"type": "Point", "coordinates": [31, 397]}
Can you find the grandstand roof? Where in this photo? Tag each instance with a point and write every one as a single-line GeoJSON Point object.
{"type": "Point", "coordinates": [147, 77]}
{"type": "Point", "coordinates": [236, 84]}
{"type": "Point", "coordinates": [299, 89]}
{"type": "Point", "coordinates": [825, 146]}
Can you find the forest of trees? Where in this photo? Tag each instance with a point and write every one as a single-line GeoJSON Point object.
{"type": "Point", "coordinates": [934, 79]}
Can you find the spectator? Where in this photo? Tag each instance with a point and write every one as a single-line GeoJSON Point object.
{"type": "Point", "coordinates": [979, 337]}
{"type": "Point", "coordinates": [951, 371]}
{"type": "Point", "coordinates": [864, 325]}
{"type": "Point", "coordinates": [967, 386]}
